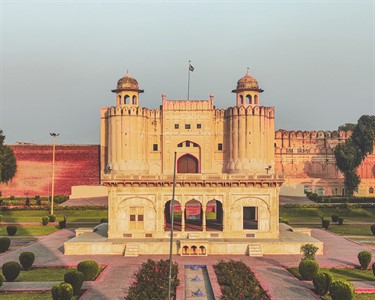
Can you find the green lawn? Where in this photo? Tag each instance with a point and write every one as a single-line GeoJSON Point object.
{"type": "Point", "coordinates": [342, 274]}
{"type": "Point", "coordinates": [344, 230]}
{"type": "Point", "coordinates": [356, 297]}
{"type": "Point", "coordinates": [30, 230]}
{"type": "Point", "coordinates": [303, 214]}
{"type": "Point", "coordinates": [44, 274]}
{"type": "Point", "coordinates": [89, 215]}
{"type": "Point", "coordinates": [26, 296]}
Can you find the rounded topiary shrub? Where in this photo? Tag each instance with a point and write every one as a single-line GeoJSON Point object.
{"type": "Point", "coordinates": [45, 220]}
{"type": "Point", "coordinates": [75, 279]}
{"type": "Point", "coordinates": [26, 260]}
{"type": "Point", "coordinates": [334, 218]}
{"type": "Point", "coordinates": [11, 270]}
{"type": "Point", "coordinates": [322, 282]}
{"type": "Point", "coordinates": [11, 230]}
{"type": "Point", "coordinates": [364, 258]}
{"type": "Point", "coordinates": [62, 291]}
{"type": "Point", "coordinates": [89, 268]}
{"type": "Point", "coordinates": [373, 229]}
{"type": "Point", "coordinates": [308, 268]}
{"type": "Point", "coordinates": [341, 290]}
{"type": "Point", "coordinates": [4, 244]}
{"type": "Point", "coordinates": [340, 220]}
{"type": "Point", "coordinates": [325, 224]}
{"type": "Point", "coordinates": [62, 224]}
{"type": "Point", "coordinates": [52, 218]}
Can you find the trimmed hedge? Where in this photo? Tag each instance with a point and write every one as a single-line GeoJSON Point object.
{"type": "Point", "coordinates": [45, 220]}
{"type": "Point", "coordinates": [89, 268]}
{"type": "Point", "coordinates": [334, 218]}
{"type": "Point", "coordinates": [237, 281]}
{"type": "Point", "coordinates": [341, 290]}
{"type": "Point", "coordinates": [26, 260]}
{"type": "Point", "coordinates": [1, 280]}
{"type": "Point", "coordinates": [325, 223]}
{"type": "Point", "coordinates": [308, 268]}
{"type": "Point", "coordinates": [364, 258]}
{"type": "Point", "coordinates": [11, 270]}
{"type": "Point", "coordinates": [11, 230]}
{"type": "Point", "coordinates": [373, 229]}
{"type": "Point", "coordinates": [75, 279]}
{"type": "Point", "coordinates": [340, 220]}
{"type": "Point", "coordinates": [308, 251]}
{"type": "Point", "coordinates": [62, 291]}
{"type": "Point", "coordinates": [322, 282]}
{"type": "Point", "coordinates": [52, 218]}
{"type": "Point", "coordinates": [4, 244]}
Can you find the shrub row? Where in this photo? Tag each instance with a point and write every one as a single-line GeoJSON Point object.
{"type": "Point", "coordinates": [151, 281]}
{"type": "Point", "coordinates": [237, 281]}
{"type": "Point", "coordinates": [341, 205]}
{"type": "Point", "coordinates": [335, 199]}
{"type": "Point", "coordinates": [12, 269]}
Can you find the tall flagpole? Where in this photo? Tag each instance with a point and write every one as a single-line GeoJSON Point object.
{"type": "Point", "coordinates": [172, 221]}
{"type": "Point", "coordinates": [189, 80]}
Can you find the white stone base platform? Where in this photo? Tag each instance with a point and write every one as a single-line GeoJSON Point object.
{"type": "Point", "coordinates": [97, 242]}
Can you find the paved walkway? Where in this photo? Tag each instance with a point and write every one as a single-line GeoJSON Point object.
{"type": "Point", "coordinates": [115, 280]}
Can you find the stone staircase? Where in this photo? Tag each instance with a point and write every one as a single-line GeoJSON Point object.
{"type": "Point", "coordinates": [255, 249]}
{"type": "Point", "coordinates": [131, 250]}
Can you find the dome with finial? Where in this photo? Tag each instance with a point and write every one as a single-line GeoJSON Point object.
{"type": "Point", "coordinates": [247, 82]}
{"type": "Point", "coordinates": [127, 83]}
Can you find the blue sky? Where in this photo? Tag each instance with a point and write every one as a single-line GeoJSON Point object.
{"type": "Point", "coordinates": [60, 59]}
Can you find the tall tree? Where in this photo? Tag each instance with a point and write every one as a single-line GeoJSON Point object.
{"type": "Point", "coordinates": [349, 155]}
{"type": "Point", "coordinates": [8, 166]}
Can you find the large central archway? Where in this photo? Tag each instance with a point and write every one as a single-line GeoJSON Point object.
{"type": "Point", "coordinates": [187, 164]}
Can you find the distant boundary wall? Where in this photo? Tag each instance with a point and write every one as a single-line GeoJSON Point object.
{"type": "Point", "coordinates": [75, 165]}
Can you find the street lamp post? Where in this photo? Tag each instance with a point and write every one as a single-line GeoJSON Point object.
{"type": "Point", "coordinates": [54, 135]}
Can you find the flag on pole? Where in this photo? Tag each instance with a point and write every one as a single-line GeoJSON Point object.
{"type": "Point", "coordinates": [191, 68]}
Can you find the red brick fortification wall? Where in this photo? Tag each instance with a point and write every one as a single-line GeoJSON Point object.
{"type": "Point", "coordinates": [75, 165]}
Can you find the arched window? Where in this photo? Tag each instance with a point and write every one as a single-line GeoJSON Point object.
{"type": "Point", "coordinates": [134, 100]}
{"type": "Point", "coordinates": [371, 190]}
{"type": "Point", "coordinates": [126, 99]}
{"type": "Point", "coordinates": [248, 99]}
{"type": "Point", "coordinates": [256, 100]}
{"type": "Point", "coordinates": [241, 99]}
{"type": "Point", "coordinates": [119, 99]}
{"type": "Point", "coordinates": [187, 164]}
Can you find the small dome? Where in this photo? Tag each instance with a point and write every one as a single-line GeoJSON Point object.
{"type": "Point", "coordinates": [127, 82]}
{"type": "Point", "coordinates": [247, 82]}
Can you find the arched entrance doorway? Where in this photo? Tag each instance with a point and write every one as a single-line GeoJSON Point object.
{"type": "Point", "coordinates": [214, 216]}
{"type": "Point", "coordinates": [187, 164]}
{"type": "Point", "coordinates": [193, 216]}
{"type": "Point", "coordinates": [168, 215]}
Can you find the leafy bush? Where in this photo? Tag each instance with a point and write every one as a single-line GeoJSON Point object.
{"type": "Point", "coordinates": [59, 199]}
{"type": "Point", "coordinates": [4, 244]}
{"type": "Point", "coordinates": [52, 218]}
{"type": "Point", "coordinates": [341, 220]}
{"type": "Point", "coordinates": [11, 270]}
{"type": "Point", "coordinates": [103, 220]}
{"type": "Point", "coordinates": [75, 279]}
{"type": "Point", "coordinates": [334, 218]}
{"type": "Point", "coordinates": [12, 198]}
{"type": "Point", "coordinates": [373, 268]}
{"type": "Point", "coordinates": [26, 260]}
{"type": "Point", "coordinates": [37, 197]}
{"type": "Point", "coordinates": [322, 282]}
{"type": "Point", "coordinates": [309, 251]}
{"type": "Point", "coordinates": [89, 268]}
{"type": "Point", "coordinates": [364, 258]}
{"type": "Point", "coordinates": [308, 268]}
{"type": "Point", "coordinates": [11, 230]}
{"type": "Point", "coordinates": [238, 282]}
{"type": "Point", "coordinates": [62, 291]}
{"type": "Point", "coordinates": [341, 290]}
{"type": "Point", "coordinates": [1, 280]}
{"type": "Point", "coordinates": [373, 229]}
{"type": "Point", "coordinates": [38, 201]}
{"type": "Point", "coordinates": [45, 220]}
{"type": "Point", "coordinates": [151, 281]}
{"type": "Point", "coordinates": [325, 223]}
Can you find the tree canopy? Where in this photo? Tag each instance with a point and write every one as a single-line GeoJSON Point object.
{"type": "Point", "coordinates": [349, 155]}
{"type": "Point", "coordinates": [8, 166]}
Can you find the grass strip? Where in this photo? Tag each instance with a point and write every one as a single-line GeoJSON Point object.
{"type": "Point", "coordinates": [349, 274]}
{"type": "Point", "coordinates": [30, 230]}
